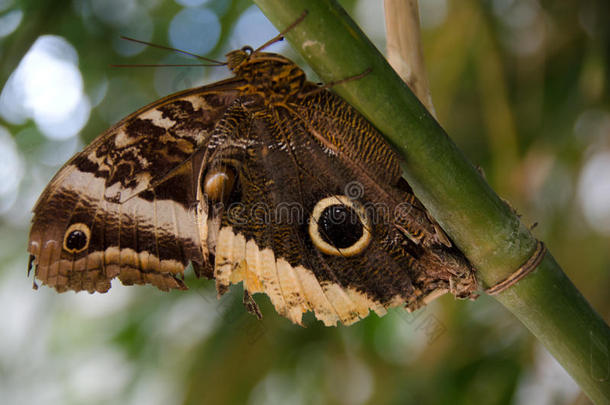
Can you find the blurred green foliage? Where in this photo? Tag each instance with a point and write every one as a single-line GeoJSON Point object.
{"type": "Point", "coordinates": [522, 88]}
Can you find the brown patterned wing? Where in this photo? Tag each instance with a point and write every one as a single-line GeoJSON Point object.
{"type": "Point", "coordinates": [284, 232]}
{"type": "Point", "coordinates": [127, 205]}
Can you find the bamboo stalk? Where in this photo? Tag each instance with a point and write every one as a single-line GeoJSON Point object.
{"type": "Point", "coordinates": [480, 223]}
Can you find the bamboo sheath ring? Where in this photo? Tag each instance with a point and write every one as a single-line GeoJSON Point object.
{"type": "Point", "coordinates": [521, 272]}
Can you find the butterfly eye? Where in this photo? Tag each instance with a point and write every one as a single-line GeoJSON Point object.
{"type": "Point", "coordinates": [218, 183]}
{"type": "Point", "coordinates": [77, 238]}
{"type": "Point", "coordinates": [339, 227]}
{"type": "Point", "coordinates": [247, 49]}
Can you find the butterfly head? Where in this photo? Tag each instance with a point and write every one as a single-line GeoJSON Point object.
{"type": "Point", "coordinates": [237, 57]}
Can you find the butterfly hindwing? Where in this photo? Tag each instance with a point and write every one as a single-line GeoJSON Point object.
{"type": "Point", "coordinates": [284, 172]}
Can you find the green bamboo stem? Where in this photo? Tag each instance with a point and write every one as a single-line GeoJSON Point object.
{"type": "Point", "coordinates": [481, 224]}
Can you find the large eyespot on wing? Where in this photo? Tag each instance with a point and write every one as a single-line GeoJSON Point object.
{"type": "Point", "coordinates": [76, 238]}
{"type": "Point", "coordinates": [339, 226]}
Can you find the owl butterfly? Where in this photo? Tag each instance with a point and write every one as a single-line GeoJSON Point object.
{"type": "Point", "coordinates": [263, 178]}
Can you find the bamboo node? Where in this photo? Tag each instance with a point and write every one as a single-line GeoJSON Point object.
{"type": "Point", "coordinates": [521, 272]}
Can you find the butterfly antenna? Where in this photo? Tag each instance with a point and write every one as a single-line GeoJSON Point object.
{"type": "Point", "coordinates": [215, 62]}
{"type": "Point", "coordinates": [279, 37]}
{"type": "Point", "coordinates": [162, 65]}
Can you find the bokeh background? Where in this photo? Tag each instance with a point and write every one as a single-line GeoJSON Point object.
{"type": "Point", "coordinates": [520, 85]}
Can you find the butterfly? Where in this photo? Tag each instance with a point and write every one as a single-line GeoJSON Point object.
{"type": "Point", "coordinates": [264, 178]}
